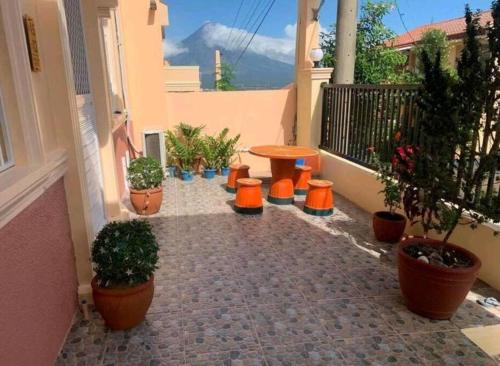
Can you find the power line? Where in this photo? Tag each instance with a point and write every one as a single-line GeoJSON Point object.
{"type": "Point", "coordinates": [403, 22]}
{"type": "Point", "coordinates": [253, 36]}
{"type": "Point", "coordinates": [234, 22]}
{"type": "Point", "coordinates": [254, 23]}
{"type": "Point", "coordinates": [242, 34]}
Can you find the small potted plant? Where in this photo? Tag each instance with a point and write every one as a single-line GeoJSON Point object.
{"type": "Point", "coordinates": [170, 157]}
{"type": "Point", "coordinates": [124, 257]}
{"type": "Point", "coordinates": [451, 179]}
{"type": "Point", "coordinates": [389, 225]}
{"type": "Point", "coordinates": [186, 146]}
{"type": "Point", "coordinates": [226, 151]}
{"type": "Point", "coordinates": [145, 176]}
{"type": "Point", "coordinates": [210, 149]}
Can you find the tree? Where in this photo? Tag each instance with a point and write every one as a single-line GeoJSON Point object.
{"type": "Point", "coordinates": [434, 41]}
{"type": "Point", "coordinates": [461, 134]}
{"type": "Point", "coordinates": [376, 62]}
{"type": "Point", "coordinates": [227, 77]}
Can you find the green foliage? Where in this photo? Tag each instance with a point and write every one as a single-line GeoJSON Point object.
{"type": "Point", "coordinates": [169, 150]}
{"type": "Point", "coordinates": [461, 135]}
{"type": "Point", "coordinates": [210, 150]}
{"type": "Point", "coordinates": [434, 41]}
{"type": "Point", "coordinates": [125, 254]}
{"type": "Point", "coordinates": [392, 188]}
{"type": "Point", "coordinates": [186, 144]}
{"type": "Point", "coordinates": [227, 148]}
{"type": "Point", "coordinates": [227, 77]}
{"type": "Point", "coordinates": [376, 63]}
{"type": "Point", "coordinates": [145, 173]}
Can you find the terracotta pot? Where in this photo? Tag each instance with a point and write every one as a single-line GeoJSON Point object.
{"type": "Point", "coordinates": [123, 308]}
{"type": "Point", "coordinates": [432, 291]}
{"type": "Point", "coordinates": [146, 201]}
{"type": "Point", "coordinates": [388, 227]}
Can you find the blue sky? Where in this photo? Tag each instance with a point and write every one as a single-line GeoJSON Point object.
{"type": "Point", "coordinates": [186, 16]}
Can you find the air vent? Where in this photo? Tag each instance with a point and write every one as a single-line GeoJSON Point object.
{"type": "Point", "coordinates": [153, 143]}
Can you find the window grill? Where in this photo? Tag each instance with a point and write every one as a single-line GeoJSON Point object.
{"type": "Point", "coordinates": [77, 46]}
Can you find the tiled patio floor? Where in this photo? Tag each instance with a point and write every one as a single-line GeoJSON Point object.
{"type": "Point", "coordinates": [283, 288]}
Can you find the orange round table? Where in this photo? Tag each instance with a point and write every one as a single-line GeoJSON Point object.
{"type": "Point", "coordinates": [282, 169]}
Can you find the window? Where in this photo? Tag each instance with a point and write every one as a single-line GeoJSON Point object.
{"type": "Point", "coordinates": [6, 158]}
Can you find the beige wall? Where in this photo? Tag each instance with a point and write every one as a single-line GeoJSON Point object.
{"type": "Point", "coordinates": [359, 185]}
{"type": "Point", "coordinates": [143, 52]}
{"type": "Point", "coordinates": [261, 117]}
{"type": "Point", "coordinates": [182, 78]}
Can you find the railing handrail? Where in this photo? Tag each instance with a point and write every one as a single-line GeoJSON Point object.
{"type": "Point", "coordinates": [373, 87]}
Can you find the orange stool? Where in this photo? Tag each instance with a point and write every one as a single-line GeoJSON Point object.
{"type": "Point", "coordinates": [319, 200]}
{"type": "Point", "coordinates": [236, 172]}
{"type": "Point", "coordinates": [302, 175]}
{"type": "Point", "coordinates": [249, 196]}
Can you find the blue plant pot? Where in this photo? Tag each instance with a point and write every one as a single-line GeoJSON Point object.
{"type": "Point", "coordinates": [187, 176]}
{"type": "Point", "coordinates": [224, 171]}
{"type": "Point", "coordinates": [209, 173]}
{"type": "Point", "coordinates": [171, 170]}
{"type": "Point", "coordinates": [300, 162]}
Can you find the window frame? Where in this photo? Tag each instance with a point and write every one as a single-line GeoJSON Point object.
{"type": "Point", "coordinates": [4, 126]}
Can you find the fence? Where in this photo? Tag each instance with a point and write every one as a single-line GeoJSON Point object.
{"type": "Point", "coordinates": [359, 117]}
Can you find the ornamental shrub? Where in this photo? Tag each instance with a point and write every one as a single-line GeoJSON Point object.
{"type": "Point", "coordinates": [124, 254]}
{"type": "Point", "coordinates": [145, 173]}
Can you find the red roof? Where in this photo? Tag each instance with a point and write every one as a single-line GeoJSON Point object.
{"type": "Point", "coordinates": [454, 28]}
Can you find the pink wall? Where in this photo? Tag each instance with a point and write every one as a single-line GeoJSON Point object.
{"type": "Point", "coordinates": [263, 117]}
{"type": "Point", "coordinates": [38, 286]}
{"type": "Point", "coordinates": [121, 147]}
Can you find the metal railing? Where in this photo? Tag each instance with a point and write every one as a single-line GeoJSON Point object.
{"type": "Point", "coordinates": [359, 117]}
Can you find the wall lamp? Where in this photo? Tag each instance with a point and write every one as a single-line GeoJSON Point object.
{"type": "Point", "coordinates": [152, 5]}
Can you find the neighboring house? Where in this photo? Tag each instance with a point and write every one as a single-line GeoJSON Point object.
{"type": "Point", "coordinates": [454, 28]}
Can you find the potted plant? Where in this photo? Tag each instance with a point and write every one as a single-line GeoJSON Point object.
{"type": "Point", "coordinates": [447, 176]}
{"type": "Point", "coordinates": [226, 151]}
{"type": "Point", "coordinates": [389, 225]}
{"type": "Point", "coordinates": [209, 149]}
{"type": "Point", "coordinates": [124, 257]}
{"type": "Point", "coordinates": [145, 176]}
{"type": "Point", "coordinates": [170, 157]}
{"type": "Point", "coordinates": [186, 146]}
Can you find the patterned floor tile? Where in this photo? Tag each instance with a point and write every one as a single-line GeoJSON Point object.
{"type": "Point", "coordinates": [447, 348]}
{"type": "Point", "coordinates": [374, 281]}
{"type": "Point", "coordinates": [269, 288]}
{"type": "Point", "coordinates": [303, 354]}
{"type": "Point", "coordinates": [348, 318]}
{"type": "Point", "coordinates": [286, 324]}
{"type": "Point", "coordinates": [223, 329]}
{"type": "Point", "coordinates": [379, 351]}
{"type": "Point", "coordinates": [394, 312]}
{"type": "Point", "coordinates": [324, 284]}
{"type": "Point", "coordinates": [230, 358]}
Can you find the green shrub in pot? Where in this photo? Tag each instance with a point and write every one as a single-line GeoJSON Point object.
{"type": "Point", "coordinates": [210, 152]}
{"type": "Point", "coordinates": [124, 257]}
{"type": "Point", "coordinates": [145, 176]}
{"type": "Point", "coordinates": [226, 150]}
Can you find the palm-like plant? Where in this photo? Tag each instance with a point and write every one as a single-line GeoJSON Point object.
{"type": "Point", "coordinates": [226, 148]}
{"type": "Point", "coordinates": [185, 144]}
{"type": "Point", "coordinates": [210, 151]}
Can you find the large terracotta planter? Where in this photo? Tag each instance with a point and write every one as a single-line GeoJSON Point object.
{"type": "Point", "coordinates": [388, 227]}
{"type": "Point", "coordinates": [146, 201]}
{"type": "Point", "coordinates": [432, 291]}
{"type": "Point", "coordinates": [123, 308]}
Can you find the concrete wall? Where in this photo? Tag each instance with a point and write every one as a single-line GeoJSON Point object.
{"type": "Point", "coordinates": [39, 287]}
{"type": "Point", "coordinates": [359, 185]}
{"type": "Point", "coordinates": [261, 117]}
{"type": "Point", "coordinates": [182, 78]}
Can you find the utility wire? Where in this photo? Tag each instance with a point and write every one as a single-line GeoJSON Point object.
{"type": "Point", "coordinates": [243, 31]}
{"type": "Point", "coordinates": [254, 23]}
{"type": "Point", "coordinates": [403, 22]}
{"type": "Point", "coordinates": [234, 22]}
{"type": "Point", "coordinates": [253, 36]}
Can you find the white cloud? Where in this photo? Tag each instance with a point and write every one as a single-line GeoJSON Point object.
{"type": "Point", "coordinates": [281, 49]}
{"type": "Point", "coordinates": [291, 30]}
{"type": "Point", "coordinates": [172, 48]}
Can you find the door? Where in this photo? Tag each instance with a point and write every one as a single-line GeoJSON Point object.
{"type": "Point", "coordinates": [87, 116]}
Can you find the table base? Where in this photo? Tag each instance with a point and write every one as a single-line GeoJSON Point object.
{"type": "Point", "coordinates": [281, 188]}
